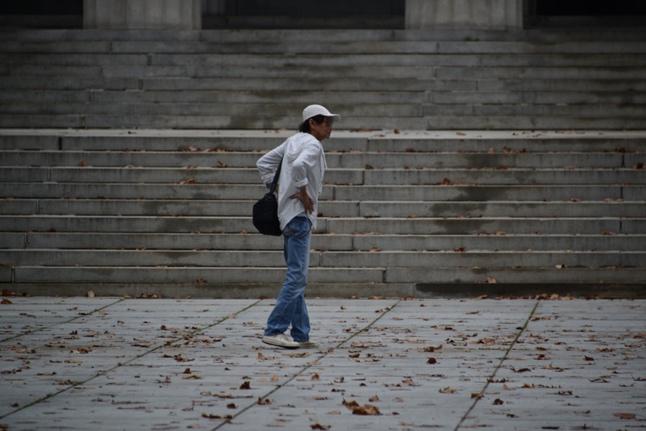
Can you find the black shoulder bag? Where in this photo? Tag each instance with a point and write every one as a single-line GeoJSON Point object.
{"type": "Point", "coordinates": [265, 210]}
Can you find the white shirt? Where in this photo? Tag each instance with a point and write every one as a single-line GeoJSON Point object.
{"type": "Point", "coordinates": [303, 165]}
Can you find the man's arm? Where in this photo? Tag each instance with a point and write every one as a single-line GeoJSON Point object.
{"type": "Point", "coordinates": [268, 164]}
{"type": "Point", "coordinates": [306, 160]}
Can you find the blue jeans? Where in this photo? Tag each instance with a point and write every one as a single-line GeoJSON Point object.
{"type": "Point", "coordinates": [290, 305]}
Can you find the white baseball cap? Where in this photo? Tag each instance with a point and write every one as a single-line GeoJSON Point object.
{"type": "Point", "coordinates": [314, 110]}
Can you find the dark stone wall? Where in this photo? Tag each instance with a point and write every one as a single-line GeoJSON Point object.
{"type": "Point", "coordinates": [41, 7]}
{"type": "Point", "coordinates": [315, 8]}
{"type": "Point", "coordinates": [590, 7]}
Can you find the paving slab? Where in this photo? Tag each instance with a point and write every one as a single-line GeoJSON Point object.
{"type": "Point", "coordinates": [124, 363]}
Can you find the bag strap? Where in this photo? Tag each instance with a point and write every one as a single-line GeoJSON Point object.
{"type": "Point", "coordinates": [274, 183]}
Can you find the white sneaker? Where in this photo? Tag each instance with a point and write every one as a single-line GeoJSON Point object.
{"type": "Point", "coordinates": [281, 340]}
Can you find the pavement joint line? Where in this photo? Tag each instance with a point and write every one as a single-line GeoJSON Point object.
{"type": "Point", "coordinates": [308, 366]}
{"type": "Point", "coordinates": [495, 371]}
{"type": "Point", "coordinates": [121, 364]}
{"type": "Point", "coordinates": [84, 314]}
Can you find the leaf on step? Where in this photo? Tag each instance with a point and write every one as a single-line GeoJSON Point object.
{"type": "Point", "coordinates": [446, 182]}
{"type": "Point", "coordinates": [625, 415]}
{"type": "Point", "coordinates": [448, 390]}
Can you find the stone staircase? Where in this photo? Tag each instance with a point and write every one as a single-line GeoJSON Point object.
{"type": "Point", "coordinates": [408, 213]}
{"type": "Point", "coordinates": [258, 79]}
{"type": "Point", "coordinates": [99, 192]}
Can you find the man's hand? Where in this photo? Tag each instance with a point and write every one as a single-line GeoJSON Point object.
{"type": "Point", "coordinates": [305, 199]}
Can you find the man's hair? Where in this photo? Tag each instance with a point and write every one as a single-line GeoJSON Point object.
{"type": "Point", "coordinates": [305, 125]}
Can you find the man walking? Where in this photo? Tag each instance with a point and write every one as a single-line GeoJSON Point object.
{"type": "Point", "coordinates": [299, 186]}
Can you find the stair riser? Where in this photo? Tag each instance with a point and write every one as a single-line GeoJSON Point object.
{"type": "Point", "coordinates": [328, 208]}
{"type": "Point", "coordinates": [340, 192]}
{"type": "Point", "coordinates": [317, 259]}
{"type": "Point", "coordinates": [219, 176]}
{"type": "Point", "coordinates": [334, 161]}
{"type": "Point", "coordinates": [339, 226]}
{"type": "Point", "coordinates": [254, 241]}
{"type": "Point", "coordinates": [335, 143]}
{"type": "Point", "coordinates": [209, 276]}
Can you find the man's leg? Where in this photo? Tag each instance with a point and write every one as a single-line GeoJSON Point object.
{"type": "Point", "coordinates": [297, 241]}
{"type": "Point", "coordinates": [301, 322]}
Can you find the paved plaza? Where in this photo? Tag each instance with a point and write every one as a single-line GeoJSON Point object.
{"type": "Point", "coordinates": [380, 364]}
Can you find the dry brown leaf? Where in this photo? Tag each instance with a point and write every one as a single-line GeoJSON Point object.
{"type": "Point", "coordinates": [625, 415]}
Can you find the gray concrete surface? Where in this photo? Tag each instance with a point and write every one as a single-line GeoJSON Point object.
{"type": "Point", "coordinates": [505, 364]}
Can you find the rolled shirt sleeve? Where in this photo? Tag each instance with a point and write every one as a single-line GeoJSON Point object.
{"type": "Point", "coordinates": [306, 161]}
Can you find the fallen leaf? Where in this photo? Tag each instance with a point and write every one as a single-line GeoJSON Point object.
{"type": "Point", "coordinates": [212, 416]}
{"type": "Point", "coordinates": [431, 361]}
{"type": "Point", "coordinates": [625, 416]}
{"type": "Point", "coordinates": [448, 390]}
{"type": "Point", "coordinates": [245, 385]}
{"type": "Point", "coordinates": [318, 426]}
{"type": "Point", "coordinates": [498, 402]}
{"type": "Point", "coordinates": [364, 410]}
{"type": "Point", "coordinates": [446, 182]}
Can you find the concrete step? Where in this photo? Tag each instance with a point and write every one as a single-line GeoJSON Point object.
{"type": "Point", "coordinates": [332, 259]}
{"type": "Point", "coordinates": [321, 35]}
{"type": "Point", "coordinates": [364, 160]}
{"type": "Point", "coordinates": [324, 242]}
{"type": "Point", "coordinates": [419, 225]}
{"type": "Point", "coordinates": [369, 209]}
{"type": "Point", "coordinates": [467, 104]}
{"type": "Point", "coordinates": [201, 276]}
{"type": "Point", "coordinates": [303, 48]}
{"type": "Point", "coordinates": [450, 176]}
{"type": "Point", "coordinates": [565, 192]}
{"type": "Point", "coordinates": [245, 276]}
{"type": "Point", "coordinates": [379, 141]}
{"type": "Point", "coordinates": [256, 121]}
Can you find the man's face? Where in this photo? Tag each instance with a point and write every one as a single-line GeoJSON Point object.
{"type": "Point", "coordinates": [323, 129]}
